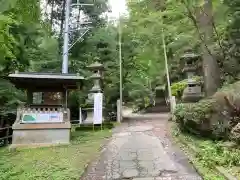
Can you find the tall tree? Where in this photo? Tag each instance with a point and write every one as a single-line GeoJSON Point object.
{"type": "Point", "coordinates": [204, 17]}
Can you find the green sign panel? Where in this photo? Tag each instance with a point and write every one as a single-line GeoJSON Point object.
{"type": "Point", "coordinates": [42, 117]}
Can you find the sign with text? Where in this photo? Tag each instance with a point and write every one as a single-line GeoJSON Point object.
{"type": "Point", "coordinates": [98, 101]}
{"type": "Point", "coordinates": [42, 117]}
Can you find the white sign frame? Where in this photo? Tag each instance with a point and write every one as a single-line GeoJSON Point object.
{"type": "Point", "coordinates": [43, 118]}
{"type": "Point", "coordinates": [98, 109]}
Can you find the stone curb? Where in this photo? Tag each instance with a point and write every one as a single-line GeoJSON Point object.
{"type": "Point", "coordinates": [222, 171]}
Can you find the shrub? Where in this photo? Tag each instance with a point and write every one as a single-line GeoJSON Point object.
{"type": "Point", "coordinates": [195, 117]}
{"type": "Point", "coordinates": [178, 87]}
{"type": "Point", "coordinates": [217, 117]}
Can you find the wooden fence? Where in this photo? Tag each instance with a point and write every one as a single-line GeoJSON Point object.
{"type": "Point", "coordinates": [5, 135]}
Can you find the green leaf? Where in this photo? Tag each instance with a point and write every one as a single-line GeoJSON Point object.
{"type": "Point", "coordinates": [7, 5]}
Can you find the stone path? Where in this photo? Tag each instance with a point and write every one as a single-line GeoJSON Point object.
{"type": "Point", "coordinates": [140, 150]}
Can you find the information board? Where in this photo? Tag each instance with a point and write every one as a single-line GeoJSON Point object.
{"type": "Point", "coordinates": [97, 117]}
{"type": "Point", "coordinates": [42, 117]}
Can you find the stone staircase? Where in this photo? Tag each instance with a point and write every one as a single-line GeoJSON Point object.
{"type": "Point", "coordinates": [160, 107]}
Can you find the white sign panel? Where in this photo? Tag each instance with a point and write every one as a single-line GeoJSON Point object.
{"type": "Point", "coordinates": [173, 103]}
{"type": "Point", "coordinates": [97, 117]}
{"type": "Point", "coordinates": [42, 117]}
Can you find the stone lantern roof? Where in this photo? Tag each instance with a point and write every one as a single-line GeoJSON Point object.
{"type": "Point", "coordinates": [96, 66]}
{"type": "Point", "coordinates": [190, 57]}
{"type": "Point", "coordinates": [193, 82]}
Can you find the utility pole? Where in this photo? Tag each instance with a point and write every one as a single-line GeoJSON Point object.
{"type": "Point", "coordinates": [66, 38]}
{"type": "Point", "coordinates": [67, 31]}
{"type": "Point", "coordinates": [120, 65]}
{"type": "Point", "coordinates": [167, 72]}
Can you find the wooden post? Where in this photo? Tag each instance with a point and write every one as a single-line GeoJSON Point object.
{"type": "Point", "coordinates": [29, 96]}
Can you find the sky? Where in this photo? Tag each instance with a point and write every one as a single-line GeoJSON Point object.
{"type": "Point", "coordinates": [117, 6]}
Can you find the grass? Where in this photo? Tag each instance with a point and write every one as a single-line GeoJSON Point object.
{"type": "Point", "coordinates": [209, 154]}
{"type": "Point", "coordinates": [58, 163]}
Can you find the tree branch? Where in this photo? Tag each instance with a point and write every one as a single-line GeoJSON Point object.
{"type": "Point", "coordinates": [191, 16]}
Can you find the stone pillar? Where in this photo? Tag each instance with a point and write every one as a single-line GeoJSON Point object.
{"type": "Point", "coordinates": [119, 111]}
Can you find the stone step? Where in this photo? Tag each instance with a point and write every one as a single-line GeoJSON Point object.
{"type": "Point", "coordinates": [157, 109]}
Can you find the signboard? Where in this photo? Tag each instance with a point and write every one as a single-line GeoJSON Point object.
{"type": "Point", "coordinates": [97, 117]}
{"type": "Point", "coordinates": [42, 117]}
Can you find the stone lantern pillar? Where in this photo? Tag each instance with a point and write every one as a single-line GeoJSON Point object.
{"type": "Point", "coordinates": [193, 91]}
{"type": "Point", "coordinates": [97, 69]}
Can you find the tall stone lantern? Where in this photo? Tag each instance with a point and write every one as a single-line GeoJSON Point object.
{"type": "Point", "coordinates": [97, 76]}
{"type": "Point", "coordinates": [193, 91]}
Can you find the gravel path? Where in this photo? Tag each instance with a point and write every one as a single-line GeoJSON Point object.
{"type": "Point", "coordinates": [141, 150]}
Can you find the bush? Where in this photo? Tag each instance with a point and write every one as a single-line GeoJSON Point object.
{"type": "Point", "coordinates": [217, 117]}
{"type": "Point", "coordinates": [178, 87]}
{"type": "Point", "coordinates": [195, 117]}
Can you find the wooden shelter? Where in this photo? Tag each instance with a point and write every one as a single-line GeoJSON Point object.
{"type": "Point", "coordinates": [45, 118]}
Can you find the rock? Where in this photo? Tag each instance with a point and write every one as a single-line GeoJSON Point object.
{"type": "Point", "coordinates": [235, 133]}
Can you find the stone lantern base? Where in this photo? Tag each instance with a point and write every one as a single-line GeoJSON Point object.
{"type": "Point", "coordinates": [192, 97]}
{"type": "Point", "coordinates": [193, 92]}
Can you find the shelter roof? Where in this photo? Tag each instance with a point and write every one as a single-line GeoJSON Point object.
{"type": "Point", "coordinates": [45, 81]}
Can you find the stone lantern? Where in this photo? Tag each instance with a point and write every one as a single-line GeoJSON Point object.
{"type": "Point", "coordinates": [193, 91]}
{"type": "Point", "coordinates": [97, 69]}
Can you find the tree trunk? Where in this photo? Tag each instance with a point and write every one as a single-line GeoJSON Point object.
{"type": "Point", "coordinates": [211, 73]}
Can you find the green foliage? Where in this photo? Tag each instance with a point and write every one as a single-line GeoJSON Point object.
{"type": "Point", "coordinates": [213, 117]}
{"type": "Point", "coordinates": [30, 44]}
{"type": "Point", "coordinates": [207, 154]}
{"type": "Point", "coordinates": [178, 87]}
{"type": "Point", "coordinates": [22, 37]}
{"type": "Point", "coordinates": [214, 153]}
{"type": "Point", "coordinates": [194, 115]}
{"type": "Point", "coordinates": [10, 98]}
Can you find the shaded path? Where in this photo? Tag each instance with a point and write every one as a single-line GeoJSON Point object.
{"type": "Point", "coordinates": [140, 150]}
